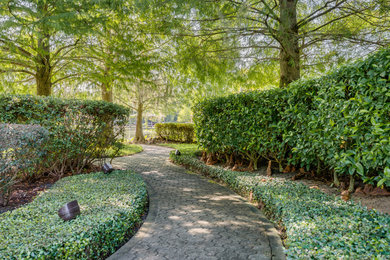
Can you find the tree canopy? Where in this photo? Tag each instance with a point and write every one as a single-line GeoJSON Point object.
{"type": "Point", "coordinates": [201, 48]}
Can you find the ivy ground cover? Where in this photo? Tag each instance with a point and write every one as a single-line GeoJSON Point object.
{"type": "Point", "coordinates": [317, 225]}
{"type": "Point", "coordinates": [111, 207]}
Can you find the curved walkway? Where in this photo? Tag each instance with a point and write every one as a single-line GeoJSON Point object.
{"type": "Point", "coordinates": [191, 217]}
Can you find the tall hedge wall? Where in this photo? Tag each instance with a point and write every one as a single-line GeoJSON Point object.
{"type": "Point", "coordinates": [339, 122]}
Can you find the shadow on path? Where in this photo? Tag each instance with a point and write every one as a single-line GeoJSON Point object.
{"type": "Point", "coordinates": [193, 218]}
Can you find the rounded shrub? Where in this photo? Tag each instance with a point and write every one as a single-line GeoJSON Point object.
{"type": "Point", "coordinates": [21, 147]}
{"type": "Point", "coordinates": [79, 130]}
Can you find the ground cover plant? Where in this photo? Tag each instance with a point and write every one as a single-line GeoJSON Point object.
{"type": "Point", "coordinates": [337, 123]}
{"type": "Point", "coordinates": [111, 206]}
{"type": "Point", "coordinates": [316, 225]}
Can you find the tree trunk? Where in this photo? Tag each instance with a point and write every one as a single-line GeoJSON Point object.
{"type": "Point", "coordinates": [288, 36]}
{"type": "Point", "coordinates": [43, 68]}
{"type": "Point", "coordinates": [139, 135]}
{"type": "Point", "coordinates": [107, 92]}
{"type": "Point", "coordinates": [43, 80]}
{"type": "Point", "coordinates": [106, 88]}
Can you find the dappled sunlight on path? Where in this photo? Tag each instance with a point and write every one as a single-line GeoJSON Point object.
{"type": "Point", "coordinates": [192, 218]}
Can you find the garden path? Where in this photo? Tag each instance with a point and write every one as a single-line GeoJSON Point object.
{"type": "Point", "coordinates": [191, 217]}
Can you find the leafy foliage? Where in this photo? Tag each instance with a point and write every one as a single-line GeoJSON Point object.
{"type": "Point", "coordinates": [338, 122]}
{"type": "Point", "coordinates": [317, 225]}
{"type": "Point", "coordinates": [38, 39]}
{"type": "Point", "coordinates": [111, 206]}
{"type": "Point", "coordinates": [79, 131]}
{"type": "Point", "coordinates": [178, 132]}
{"type": "Point", "coordinates": [21, 146]}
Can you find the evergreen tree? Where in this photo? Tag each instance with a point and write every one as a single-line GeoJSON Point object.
{"type": "Point", "coordinates": [39, 37]}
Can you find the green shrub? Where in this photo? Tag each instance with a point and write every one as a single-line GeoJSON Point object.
{"type": "Point", "coordinates": [79, 130]}
{"type": "Point", "coordinates": [353, 107]}
{"type": "Point", "coordinates": [21, 146]}
{"type": "Point", "coordinates": [339, 122]}
{"type": "Point", "coordinates": [318, 226]}
{"type": "Point", "coordinates": [111, 206]}
{"type": "Point", "coordinates": [249, 124]}
{"type": "Point", "coordinates": [176, 132]}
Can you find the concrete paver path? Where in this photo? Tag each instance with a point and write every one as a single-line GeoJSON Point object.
{"type": "Point", "coordinates": [191, 217]}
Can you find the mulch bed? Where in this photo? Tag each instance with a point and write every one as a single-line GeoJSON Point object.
{"type": "Point", "coordinates": [25, 192]}
{"type": "Point", "coordinates": [378, 202]}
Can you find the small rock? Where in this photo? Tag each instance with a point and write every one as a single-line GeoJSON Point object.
{"type": "Point", "coordinates": [345, 195]}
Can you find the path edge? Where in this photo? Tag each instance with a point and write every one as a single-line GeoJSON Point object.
{"type": "Point", "coordinates": [278, 251]}
{"type": "Point", "coordinates": [148, 224]}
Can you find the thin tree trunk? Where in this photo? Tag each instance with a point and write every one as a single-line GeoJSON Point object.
{"type": "Point", "coordinates": [139, 135]}
{"type": "Point", "coordinates": [106, 92]}
{"type": "Point", "coordinates": [351, 187]}
{"type": "Point", "coordinates": [288, 35]}
{"type": "Point", "coordinates": [43, 68]}
{"type": "Point", "coordinates": [106, 88]}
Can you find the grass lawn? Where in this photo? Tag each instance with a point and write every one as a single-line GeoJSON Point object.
{"type": "Point", "coordinates": [189, 149]}
{"type": "Point", "coordinates": [126, 150]}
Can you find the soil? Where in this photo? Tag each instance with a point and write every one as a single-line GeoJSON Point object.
{"type": "Point", "coordinates": [379, 203]}
{"type": "Point", "coordinates": [25, 192]}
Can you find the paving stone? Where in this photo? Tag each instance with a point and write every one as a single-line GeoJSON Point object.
{"type": "Point", "coordinates": [192, 218]}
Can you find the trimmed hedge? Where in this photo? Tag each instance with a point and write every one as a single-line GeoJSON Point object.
{"type": "Point", "coordinates": [339, 122]}
{"type": "Point", "coordinates": [111, 206]}
{"type": "Point", "coordinates": [177, 132]}
{"type": "Point", "coordinates": [79, 130]}
{"type": "Point", "coordinates": [317, 225]}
